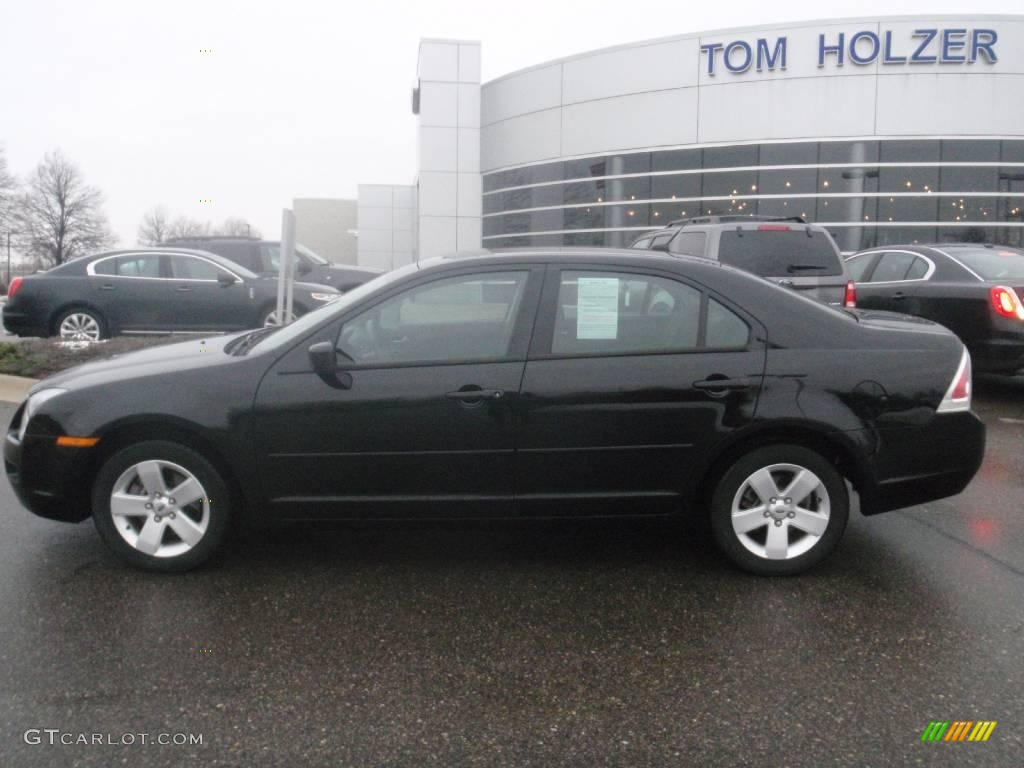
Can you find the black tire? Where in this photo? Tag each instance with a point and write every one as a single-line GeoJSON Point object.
{"type": "Point", "coordinates": [734, 478]}
{"type": "Point", "coordinates": [101, 322]}
{"type": "Point", "coordinates": [219, 507]}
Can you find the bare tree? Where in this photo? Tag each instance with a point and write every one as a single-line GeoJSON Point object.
{"type": "Point", "coordinates": [59, 216]}
{"type": "Point", "coordinates": [155, 227]}
{"type": "Point", "coordinates": [8, 188]}
{"type": "Point", "coordinates": [236, 227]}
{"type": "Point", "coordinates": [182, 226]}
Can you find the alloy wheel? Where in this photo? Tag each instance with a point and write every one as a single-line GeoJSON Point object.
{"type": "Point", "coordinates": [781, 511]}
{"type": "Point", "coordinates": [80, 326]}
{"type": "Point", "coordinates": [159, 508]}
{"type": "Point", "coordinates": [271, 319]}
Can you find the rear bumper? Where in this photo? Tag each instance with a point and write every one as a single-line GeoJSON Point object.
{"type": "Point", "coordinates": [49, 481]}
{"type": "Point", "coordinates": [998, 355]}
{"type": "Point", "coordinates": [915, 465]}
{"type": "Point", "coordinates": [21, 324]}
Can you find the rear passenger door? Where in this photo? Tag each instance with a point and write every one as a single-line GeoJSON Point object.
{"type": "Point", "coordinates": [130, 290]}
{"type": "Point", "coordinates": [632, 376]}
{"type": "Point", "coordinates": [894, 282]}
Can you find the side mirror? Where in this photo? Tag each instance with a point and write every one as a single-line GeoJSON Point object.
{"type": "Point", "coordinates": [324, 359]}
{"type": "Point", "coordinates": [225, 279]}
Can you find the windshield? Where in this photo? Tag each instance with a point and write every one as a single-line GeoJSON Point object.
{"type": "Point", "coordinates": [314, 257]}
{"type": "Point", "coordinates": [1000, 263]}
{"type": "Point", "coordinates": [288, 333]}
{"type": "Point", "coordinates": [780, 252]}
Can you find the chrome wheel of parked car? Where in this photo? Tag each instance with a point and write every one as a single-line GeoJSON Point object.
{"type": "Point", "coordinates": [779, 509]}
{"type": "Point", "coordinates": [271, 319]}
{"type": "Point", "coordinates": [161, 505]}
{"type": "Point", "coordinates": [80, 326]}
{"type": "Point", "coordinates": [160, 508]}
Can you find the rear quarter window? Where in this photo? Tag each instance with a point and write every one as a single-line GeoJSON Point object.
{"type": "Point", "coordinates": [780, 253]}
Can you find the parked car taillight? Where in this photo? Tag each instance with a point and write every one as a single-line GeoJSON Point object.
{"type": "Point", "coordinates": [850, 296]}
{"type": "Point", "coordinates": [1006, 303]}
{"type": "Point", "coordinates": [13, 288]}
{"type": "Point", "coordinates": [958, 396]}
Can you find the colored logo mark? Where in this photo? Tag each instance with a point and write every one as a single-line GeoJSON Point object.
{"type": "Point", "coordinates": [958, 730]}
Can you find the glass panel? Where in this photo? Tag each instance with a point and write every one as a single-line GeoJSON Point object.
{"type": "Point", "coordinates": [461, 318]}
{"type": "Point", "coordinates": [726, 330]}
{"type": "Point", "coordinates": [919, 151]}
{"type": "Point", "coordinates": [619, 313]}
{"type": "Point", "coordinates": [801, 153]}
{"type": "Point", "coordinates": [105, 267]}
{"type": "Point", "coordinates": [788, 182]}
{"type": "Point", "coordinates": [902, 208]}
{"type": "Point", "coordinates": [688, 243]}
{"type": "Point", "coordinates": [184, 268]}
{"type": "Point", "coordinates": [909, 179]}
{"type": "Point", "coordinates": [675, 160]}
{"type": "Point", "coordinates": [729, 183]}
{"type": "Point", "coordinates": [847, 152]}
{"type": "Point", "coordinates": [730, 157]}
{"type": "Point", "coordinates": [846, 209]}
{"type": "Point", "coordinates": [139, 266]}
{"type": "Point", "coordinates": [970, 151]}
{"type": "Point", "coordinates": [848, 180]}
{"type": "Point", "coordinates": [780, 253]}
{"type": "Point", "coordinates": [858, 266]}
{"type": "Point", "coordinates": [918, 269]}
{"type": "Point", "coordinates": [993, 263]}
{"type": "Point", "coordinates": [892, 267]}
{"type": "Point", "coordinates": [969, 179]}
{"type": "Point", "coordinates": [1013, 151]}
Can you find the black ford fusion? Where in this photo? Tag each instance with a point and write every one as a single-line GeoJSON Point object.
{"type": "Point", "coordinates": [134, 291]}
{"type": "Point", "coordinates": [975, 290]}
{"type": "Point", "coordinates": [518, 384]}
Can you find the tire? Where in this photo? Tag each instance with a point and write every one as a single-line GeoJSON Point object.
{"type": "Point", "coordinates": [269, 313]}
{"type": "Point", "coordinates": [186, 534]}
{"type": "Point", "coordinates": [794, 535]}
{"type": "Point", "coordinates": [90, 325]}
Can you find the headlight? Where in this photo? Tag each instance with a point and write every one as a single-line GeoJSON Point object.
{"type": "Point", "coordinates": [325, 296]}
{"type": "Point", "coordinates": [32, 405]}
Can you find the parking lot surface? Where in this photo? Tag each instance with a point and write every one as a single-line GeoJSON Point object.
{"type": "Point", "coordinates": [541, 644]}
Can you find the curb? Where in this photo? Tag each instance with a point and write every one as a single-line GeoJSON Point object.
{"type": "Point", "coordinates": [13, 389]}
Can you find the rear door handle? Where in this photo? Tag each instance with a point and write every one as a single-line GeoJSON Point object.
{"type": "Point", "coordinates": [106, 287]}
{"type": "Point", "coordinates": [471, 395]}
{"type": "Point", "coordinates": [899, 296]}
{"type": "Point", "coordinates": [184, 289]}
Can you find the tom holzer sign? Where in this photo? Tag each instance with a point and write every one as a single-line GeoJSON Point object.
{"type": "Point", "coordinates": [839, 49]}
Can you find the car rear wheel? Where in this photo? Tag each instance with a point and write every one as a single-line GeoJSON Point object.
{"type": "Point", "coordinates": [779, 510]}
{"type": "Point", "coordinates": [161, 506]}
{"type": "Point", "coordinates": [81, 325]}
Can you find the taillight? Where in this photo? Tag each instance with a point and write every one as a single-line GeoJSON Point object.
{"type": "Point", "coordinates": [13, 288]}
{"type": "Point", "coordinates": [958, 396]}
{"type": "Point", "coordinates": [850, 296]}
{"type": "Point", "coordinates": [1006, 303]}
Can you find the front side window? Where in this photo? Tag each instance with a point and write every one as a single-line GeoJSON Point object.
{"type": "Point", "coordinates": [892, 267]}
{"type": "Point", "coordinates": [270, 258]}
{"type": "Point", "coordinates": [620, 313]}
{"type": "Point", "coordinates": [471, 317]}
{"type": "Point", "coordinates": [188, 268]}
{"type": "Point", "coordinates": [138, 266]}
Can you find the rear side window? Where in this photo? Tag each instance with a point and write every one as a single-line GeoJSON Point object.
{"type": "Point", "coordinates": [643, 242]}
{"type": "Point", "coordinates": [138, 266]}
{"type": "Point", "coordinates": [893, 267]}
{"type": "Point", "coordinates": [623, 313]}
{"type": "Point", "coordinates": [689, 243]}
{"type": "Point", "coordinates": [858, 266]}
{"type": "Point", "coordinates": [660, 242]}
{"type": "Point", "coordinates": [780, 252]}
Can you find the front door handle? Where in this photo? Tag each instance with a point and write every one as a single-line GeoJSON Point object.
{"type": "Point", "coordinates": [184, 289]}
{"type": "Point", "coordinates": [718, 385]}
{"type": "Point", "coordinates": [475, 395]}
{"type": "Point", "coordinates": [106, 287]}
{"type": "Point", "coordinates": [899, 296]}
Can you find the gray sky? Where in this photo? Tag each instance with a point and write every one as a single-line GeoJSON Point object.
{"type": "Point", "coordinates": [298, 99]}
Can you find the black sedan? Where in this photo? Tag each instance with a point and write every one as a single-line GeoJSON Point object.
{"type": "Point", "coordinates": [974, 290]}
{"type": "Point", "coordinates": [148, 290]}
{"type": "Point", "coordinates": [522, 384]}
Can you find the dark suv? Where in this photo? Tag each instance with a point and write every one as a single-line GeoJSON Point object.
{"type": "Point", "coordinates": [788, 251]}
{"type": "Point", "coordinates": [264, 256]}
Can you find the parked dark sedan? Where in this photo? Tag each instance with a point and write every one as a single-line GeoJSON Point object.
{"type": "Point", "coordinates": [520, 384]}
{"type": "Point", "coordinates": [264, 257]}
{"type": "Point", "coordinates": [974, 290]}
{"type": "Point", "coordinates": [148, 290]}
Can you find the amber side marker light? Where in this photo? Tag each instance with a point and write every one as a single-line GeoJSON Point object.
{"type": "Point", "coordinates": [77, 442]}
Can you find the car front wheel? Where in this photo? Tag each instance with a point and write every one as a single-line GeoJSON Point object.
{"type": "Point", "coordinates": [779, 510]}
{"type": "Point", "coordinates": [161, 506]}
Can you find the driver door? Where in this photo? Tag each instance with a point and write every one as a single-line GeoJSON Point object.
{"type": "Point", "coordinates": [426, 428]}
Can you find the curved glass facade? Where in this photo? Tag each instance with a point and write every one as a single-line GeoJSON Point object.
{"type": "Point", "coordinates": [867, 193]}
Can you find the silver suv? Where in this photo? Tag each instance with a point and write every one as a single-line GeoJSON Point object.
{"type": "Point", "coordinates": [788, 251]}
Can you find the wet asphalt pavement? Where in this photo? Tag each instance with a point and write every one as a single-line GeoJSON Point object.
{"type": "Point", "coordinates": [549, 644]}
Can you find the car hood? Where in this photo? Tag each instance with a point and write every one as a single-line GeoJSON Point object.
{"type": "Point", "coordinates": [203, 352]}
{"type": "Point", "coordinates": [300, 286]}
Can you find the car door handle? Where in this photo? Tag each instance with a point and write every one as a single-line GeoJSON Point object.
{"type": "Point", "coordinates": [184, 289]}
{"type": "Point", "coordinates": [720, 385]}
{"type": "Point", "coordinates": [471, 395]}
{"type": "Point", "coordinates": [899, 296]}
{"type": "Point", "coordinates": [107, 287]}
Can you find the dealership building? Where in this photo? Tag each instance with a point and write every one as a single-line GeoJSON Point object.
{"type": "Point", "coordinates": [893, 130]}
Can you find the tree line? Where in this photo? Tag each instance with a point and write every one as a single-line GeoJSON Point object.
{"type": "Point", "coordinates": [53, 215]}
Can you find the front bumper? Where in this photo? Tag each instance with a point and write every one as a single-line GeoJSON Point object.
{"type": "Point", "coordinates": [915, 465]}
{"type": "Point", "coordinates": [50, 481]}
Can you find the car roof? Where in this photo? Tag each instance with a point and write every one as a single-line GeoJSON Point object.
{"type": "Point", "coordinates": [220, 260]}
{"type": "Point", "coordinates": [570, 254]}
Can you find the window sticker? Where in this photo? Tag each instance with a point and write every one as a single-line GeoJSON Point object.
{"type": "Point", "coordinates": [597, 308]}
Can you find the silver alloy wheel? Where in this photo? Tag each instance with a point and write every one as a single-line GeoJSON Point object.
{"type": "Point", "coordinates": [160, 508]}
{"type": "Point", "coordinates": [80, 326]}
{"type": "Point", "coordinates": [271, 319]}
{"type": "Point", "coordinates": [781, 511]}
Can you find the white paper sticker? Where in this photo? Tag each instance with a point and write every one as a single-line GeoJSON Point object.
{"type": "Point", "coordinates": [597, 308]}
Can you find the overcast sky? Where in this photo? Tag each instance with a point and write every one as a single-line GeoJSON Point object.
{"type": "Point", "coordinates": [298, 99]}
